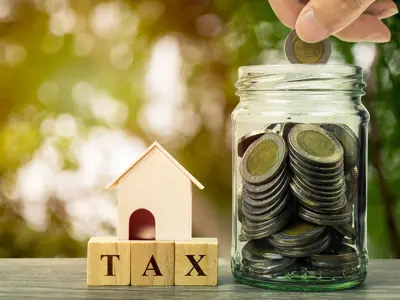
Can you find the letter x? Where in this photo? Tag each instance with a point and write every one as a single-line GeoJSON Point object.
{"type": "Point", "coordinates": [195, 265]}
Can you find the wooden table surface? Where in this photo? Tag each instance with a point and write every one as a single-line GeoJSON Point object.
{"type": "Point", "coordinates": [66, 279]}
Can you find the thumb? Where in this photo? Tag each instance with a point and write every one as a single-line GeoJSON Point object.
{"type": "Point", "coordinates": [322, 18]}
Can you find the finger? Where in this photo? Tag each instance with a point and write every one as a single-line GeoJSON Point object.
{"type": "Point", "coordinates": [366, 28]}
{"type": "Point", "coordinates": [287, 11]}
{"type": "Point", "coordinates": [321, 18]}
{"type": "Point", "coordinates": [382, 9]}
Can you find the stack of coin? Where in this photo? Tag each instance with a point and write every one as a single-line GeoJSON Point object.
{"type": "Point", "coordinates": [317, 165]}
{"type": "Point", "coordinates": [260, 258]}
{"type": "Point", "coordinates": [301, 239]}
{"type": "Point", "coordinates": [338, 260]}
{"type": "Point", "coordinates": [266, 201]}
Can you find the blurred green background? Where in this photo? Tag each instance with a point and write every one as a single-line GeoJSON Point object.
{"type": "Point", "coordinates": [85, 86]}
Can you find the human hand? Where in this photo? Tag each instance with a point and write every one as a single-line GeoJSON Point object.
{"type": "Point", "coordinates": [348, 20]}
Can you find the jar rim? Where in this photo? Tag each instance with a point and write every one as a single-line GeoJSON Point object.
{"type": "Point", "coordinates": [334, 69]}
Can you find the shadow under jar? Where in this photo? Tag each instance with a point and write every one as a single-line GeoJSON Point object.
{"type": "Point", "coordinates": [299, 177]}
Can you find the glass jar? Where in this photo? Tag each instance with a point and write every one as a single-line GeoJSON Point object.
{"type": "Point", "coordinates": [299, 177]}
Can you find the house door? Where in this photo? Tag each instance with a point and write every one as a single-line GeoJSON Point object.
{"type": "Point", "coordinates": [142, 225]}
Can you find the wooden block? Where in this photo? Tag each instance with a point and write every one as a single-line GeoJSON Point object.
{"type": "Point", "coordinates": [108, 261]}
{"type": "Point", "coordinates": [196, 262]}
{"type": "Point", "coordinates": [152, 262]}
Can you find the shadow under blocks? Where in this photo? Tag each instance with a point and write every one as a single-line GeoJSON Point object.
{"type": "Point", "coordinates": [153, 247]}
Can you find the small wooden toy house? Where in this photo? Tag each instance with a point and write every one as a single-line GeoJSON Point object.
{"type": "Point", "coordinates": [155, 198]}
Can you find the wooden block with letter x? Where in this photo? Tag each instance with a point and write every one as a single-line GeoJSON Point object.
{"type": "Point", "coordinates": [108, 261]}
{"type": "Point", "coordinates": [152, 262]}
{"type": "Point", "coordinates": [196, 262]}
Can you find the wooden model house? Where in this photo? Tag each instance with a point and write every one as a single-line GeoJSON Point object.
{"type": "Point", "coordinates": [155, 198]}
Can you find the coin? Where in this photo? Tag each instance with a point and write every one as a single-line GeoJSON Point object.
{"type": "Point", "coordinates": [298, 233]}
{"type": "Point", "coordinates": [239, 206]}
{"type": "Point", "coordinates": [316, 180]}
{"type": "Point", "coordinates": [318, 246]}
{"type": "Point", "coordinates": [248, 139]}
{"type": "Point", "coordinates": [346, 230]}
{"type": "Point", "coordinates": [267, 201]}
{"type": "Point", "coordinates": [320, 221]}
{"type": "Point", "coordinates": [267, 215]}
{"type": "Point", "coordinates": [310, 173]}
{"type": "Point", "coordinates": [298, 51]}
{"type": "Point", "coordinates": [305, 195]}
{"type": "Point", "coordinates": [341, 215]}
{"type": "Point", "coordinates": [264, 158]}
{"type": "Point", "coordinates": [349, 141]}
{"type": "Point", "coordinates": [315, 145]}
{"type": "Point", "coordinates": [317, 168]}
{"type": "Point", "coordinates": [262, 188]}
{"type": "Point", "coordinates": [283, 182]}
{"type": "Point", "coordinates": [330, 193]}
{"type": "Point", "coordinates": [264, 209]}
{"type": "Point", "coordinates": [336, 254]}
{"type": "Point", "coordinates": [351, 184]}
{"type": "Point", "coordinates": [324, 207]}
{"type": "Point", "coordinates": [321, 272]}
{"type": "Point", "coordinates": [259, 250]}
{"type": "Point", "coordinates": [331, 188]}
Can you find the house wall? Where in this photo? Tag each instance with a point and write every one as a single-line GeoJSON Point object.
{"type": "Point", "coordinates": [157, 185]}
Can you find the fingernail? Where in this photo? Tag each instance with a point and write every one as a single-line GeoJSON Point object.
{"type": "Point", "coordinates": [309, 29]}
{"type": "Point", "coordinates": [386, 13]}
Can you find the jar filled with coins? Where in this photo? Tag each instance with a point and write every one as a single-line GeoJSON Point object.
{"type": "Point", "coordinates": [299, 177]}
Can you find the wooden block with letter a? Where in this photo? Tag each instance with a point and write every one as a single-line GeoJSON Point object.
{"type": "Point", "coordinates": [152, 262]}
{"type": "Point", "coordinates": [196, 262]}
{"type": "Point", "coordinates": [108, 261]}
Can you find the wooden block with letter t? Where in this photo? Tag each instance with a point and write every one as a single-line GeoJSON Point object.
{"type": "Point", "coordinates": [152, 262]}
{"type": "Point", "coordinates": [196, 262]}
{"type": "Point", "coordinates": [108, 261]}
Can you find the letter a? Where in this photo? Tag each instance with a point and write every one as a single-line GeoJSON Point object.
{"type": "Point", "coordinates": [155, 268]}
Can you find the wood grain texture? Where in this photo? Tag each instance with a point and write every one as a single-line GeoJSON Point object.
{"type": "Point", "coordinates": [196, 262]}
{"type": "Point", "coordinates": [66, 279]}
{"type": "Point", "coordinates": [108, 261]}
{"type": "Point", "coordinates": [152, 262]}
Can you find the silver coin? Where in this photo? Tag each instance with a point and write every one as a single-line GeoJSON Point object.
{"type": "Point", "coordinates": [304, 194]}
{"type": "Point", "coordinates": [268, 201]}
{"type": "Point", "coordinates": [270, 193]}
{"type": "Point", "coordinates": [300, 52]}
{"type": "Point", "coordinates": [318, 246]}
{"type": "Point", "coordinates": [317, 168]}
{"type": "Point", "coordinates": [315, 196]}
{"type": "Point", "coordinates": [341, 215]}
{"type": "Point", "coordinates": [339, 192]}
{"type": "Point", "coordinates": [248, 139]}
{"type": "Point", "coordinates": [239, 205]}
{"type": "Point", "coordinates": [336, 254]}
{"type": "Point", "coordinates": [298, 233]}
{"type": "Point", "coordinates": [332, 188]}
{"type": "Point", "coordinates": [351, 184]}
{"type": "Point", "coordinates": [315, 180]}
{"type": "Point", "coordinates": [264, 158]}
{"type": "Point", "coordinates": [346, 230]}
{"type": "Point", "coordinates": [269, 214]}
{"type": "Point", "coordinates": [320, 221]}
{"type": "Point", "coordinates": [315, 145]}
{"type": "Point", "coordinates": [257, 251]}
{"type": "Point", "coordinates": [264, 209]}
{"type": "Point", "coordinates": [311, 172]}
{"type": "Point", "coordinates": [262, 188]}
{"type": "Point", "coordinates": [349, 141]}
{"type": "Point", "coordinates": [322, 206]}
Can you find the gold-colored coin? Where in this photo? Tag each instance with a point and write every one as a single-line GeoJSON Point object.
{"type": "Point", "coordinates": [308, 53]}
{"type": "Point", "coordinates": [262, 158]}
{"type": "Point", "coordinates": [315, 143]}
{"type": "Point", "coordinates": [300, 52]}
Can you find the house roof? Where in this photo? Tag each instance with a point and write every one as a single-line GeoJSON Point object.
{"type": "Point", "coordinates": [114, 183]}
